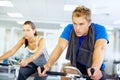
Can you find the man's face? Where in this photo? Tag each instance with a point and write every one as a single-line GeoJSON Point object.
{"type": "Point", "coordinates": [81, 26]}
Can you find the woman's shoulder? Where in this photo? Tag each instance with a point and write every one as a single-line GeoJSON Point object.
{"type": "Point", "coordinates": [22, 40]}
{"type": "Point", "coordinates": [39, 38]}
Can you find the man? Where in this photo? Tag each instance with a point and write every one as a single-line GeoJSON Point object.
{"type": "Point", "coordinates": [86, 42]}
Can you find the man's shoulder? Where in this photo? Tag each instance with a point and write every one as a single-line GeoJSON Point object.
{"type": "Point", "coordinates": [97, 25]}
{"type": "Point", "coordinates": [69, 27]}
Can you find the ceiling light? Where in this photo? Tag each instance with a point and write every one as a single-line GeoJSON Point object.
{"type": "Point", "coordinates": [69, 7]}
{"type": "Point", "coordinates": [100, 10]}
{"type": "Point", "coordinates": [20, 22]}
{"type": "Point", "coordinates": [17, 15]}
{"type": "Point", "coordinates": [6, 3]}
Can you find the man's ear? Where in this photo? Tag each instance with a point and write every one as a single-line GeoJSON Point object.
{"type": "Point", "coordinates": [90, 22]}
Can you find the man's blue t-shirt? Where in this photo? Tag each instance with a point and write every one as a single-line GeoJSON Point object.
{"type": "Point", "coordinates": [100, 33]}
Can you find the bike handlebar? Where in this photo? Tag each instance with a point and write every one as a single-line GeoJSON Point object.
{"type": "Point", "coordinates": [92, 70]}
{"type": "Point", "coordinates": [64, 74]}
{"type": "Point", "coordinates": [3, 64]}
{"type": "Point", "coordinates": [53, 72]}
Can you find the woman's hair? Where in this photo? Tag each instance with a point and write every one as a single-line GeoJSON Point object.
{"type": "Point", "coordinates": [82, 11]}
{"type": "Point", "coordinates": [33, 27]}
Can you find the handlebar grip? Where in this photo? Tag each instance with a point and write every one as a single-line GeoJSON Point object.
{"type": "Point", "coordinates": [3, 64]}
{"type": "Point", "coordinates": [92, 70]}
{"type": "Point", "coordinates": [42, 69]}
{"type": "Point", "coordinates": [53, 72]}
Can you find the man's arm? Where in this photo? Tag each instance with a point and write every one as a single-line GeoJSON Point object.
{"type": "Point", "coordinates": [62, 44]}
{"type": "Point", "coordinates": [97, 58]}
{"type": "Point", "coordinates": [98, 53]}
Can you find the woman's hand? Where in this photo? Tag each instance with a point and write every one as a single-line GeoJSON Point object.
{"type": "Point", "coordinates": [23, 63]}
{"type": "Point", "coordinates": [97, 75]}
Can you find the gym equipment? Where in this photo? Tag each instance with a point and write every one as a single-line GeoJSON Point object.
{"type": "Point", "coordinates": [70, 72]}
{"type": "Point", "coordinates": [75, 74]}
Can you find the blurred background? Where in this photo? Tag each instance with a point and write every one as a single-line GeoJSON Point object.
{"type": "Point", "coordinates": [50, 18]}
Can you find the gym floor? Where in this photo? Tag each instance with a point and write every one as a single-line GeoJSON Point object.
{"type": "Point", "coordinates": [5, 76]}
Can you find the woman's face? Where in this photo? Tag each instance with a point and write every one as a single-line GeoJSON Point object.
{"type": "Point", "coordinates": [81, 26]}
{"type": "Point", "coordinates": [28, 32]}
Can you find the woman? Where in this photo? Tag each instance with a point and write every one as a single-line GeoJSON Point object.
{"type": "Point", "coordinates": [34, 48]}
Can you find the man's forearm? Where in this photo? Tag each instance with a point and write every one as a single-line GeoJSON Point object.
{"type": "Point", "coordinates": [62, 43]}
{"type": "Point", "coordinates": [54, 56]}
{"type": "Point", "coordinates": [97, 58]}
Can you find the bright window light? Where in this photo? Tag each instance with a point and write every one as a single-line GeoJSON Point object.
{"type": "Point", "coordinates": [116, 22]}
{"type": "Point", "coordinates": [17, 15]}
{"type": "Point", "coordinates": [6, 3]}
{"type": "Point", "coordinates": [69, 7]}
{"type": "Point", "coordinates": [63, 24]}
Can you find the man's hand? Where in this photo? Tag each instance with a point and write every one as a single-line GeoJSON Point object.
{"type": "Point", "coordinates": [97, 75]}
{"type": "Point", "coordinates": [43, 73]}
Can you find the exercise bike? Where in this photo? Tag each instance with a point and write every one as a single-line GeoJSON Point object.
{"type": "Point", "coordinates": [70, 72]}
{"type": "Point", "coordinates": [75, 74]}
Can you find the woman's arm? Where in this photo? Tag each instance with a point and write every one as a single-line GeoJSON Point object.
{"type": "Point", "coordinates": [41, 46]}
{"type": "Point", "coordinates": [13, 50]}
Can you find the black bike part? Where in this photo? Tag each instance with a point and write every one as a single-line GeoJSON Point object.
{"type": "Point", "coordinates": [92, 70]}
{"type": "Point", "coordinates": [3, 64]}
{"type": "Point", "coordinates": [53, 72]}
